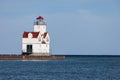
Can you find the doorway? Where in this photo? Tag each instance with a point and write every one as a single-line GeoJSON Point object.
{"type": "Point", "coordinates": [29, 48]}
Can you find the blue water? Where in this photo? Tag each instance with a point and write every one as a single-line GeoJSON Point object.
{"type": "Point", "coordinates": [86, 68]}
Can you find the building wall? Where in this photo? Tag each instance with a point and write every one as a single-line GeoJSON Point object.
{"type": "Point", "coordinates": [36, 45]}
{"type": "Point", "coordinates": [30, 41]}
{"type": "Point", "coordinates": [40, 28]}
{"type": "Point", "coordinates": [24, 47]}
{"type": "Point", "coordinates": [40, 48]}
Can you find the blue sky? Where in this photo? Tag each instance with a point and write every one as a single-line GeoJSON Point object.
{"type": "Point", "coordinates": [84, 27]}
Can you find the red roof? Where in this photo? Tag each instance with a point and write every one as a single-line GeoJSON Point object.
{"type": "Point", "coordinates": [43, 42]}
{"type": "Point", "coordinates": [34, 34]}
{"type": "Point", "coordinates": [45, 34]}
{"type": "Point", "coordinates": [40, 18]}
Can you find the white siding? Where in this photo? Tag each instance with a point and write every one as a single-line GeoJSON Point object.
{"type": "Point", "coordinates": [36, 45]}
{"type": "Point", "coordinates": [40, 28]}
{"type": "Point", "coordinates": [36, 48]}
{"type": "Point", "coordinates": [30, 41]}
{"type": "Point", "coordinates": [24, 49]}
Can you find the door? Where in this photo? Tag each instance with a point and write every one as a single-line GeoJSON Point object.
{"type": "Point", "coordinates": [29, 48]}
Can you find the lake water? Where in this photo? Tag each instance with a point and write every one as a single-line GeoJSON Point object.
{"type": "Point", "coordinates": [77, 68]}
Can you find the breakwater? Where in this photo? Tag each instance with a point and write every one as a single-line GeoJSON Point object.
{"type": "Point", "coordinates": [23, 57]}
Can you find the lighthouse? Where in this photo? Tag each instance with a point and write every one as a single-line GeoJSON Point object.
{"type": "Point", "coordinates": [37, 42]}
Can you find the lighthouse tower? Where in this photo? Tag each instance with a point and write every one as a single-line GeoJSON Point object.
{"type": "Point", "coordinates": [37, 42]}
{"type": "Point", "coordinates": [40, 25]}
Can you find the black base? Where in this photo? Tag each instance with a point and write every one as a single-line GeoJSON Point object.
{"type": "Point", "coordinates": [26, 53]}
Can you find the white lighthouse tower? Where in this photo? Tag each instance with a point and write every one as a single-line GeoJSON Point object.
{"type": "Point", "coordinates": [37, 42]}
{"type": "Point", "coordinates": [40, 25]}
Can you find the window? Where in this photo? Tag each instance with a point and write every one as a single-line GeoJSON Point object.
{"type": "Point", "coordinates": [30, 35]}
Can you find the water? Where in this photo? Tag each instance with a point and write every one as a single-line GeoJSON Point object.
{"type": "Point", "coordinates": [80, 68]}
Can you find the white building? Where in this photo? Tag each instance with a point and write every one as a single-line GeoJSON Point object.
{"type": "Point", "coordinates": [36, 43]}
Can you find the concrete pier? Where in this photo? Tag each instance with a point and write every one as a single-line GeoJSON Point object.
{"type": "Point", "coordinates": [24, 57]}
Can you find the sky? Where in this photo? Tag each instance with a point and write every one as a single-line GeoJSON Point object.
{"type": "Point", "coordinates": [76, 27]}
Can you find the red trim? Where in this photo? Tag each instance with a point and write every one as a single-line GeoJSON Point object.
{"type": "Point", "coordinates": [43, 42]}
{"type": "Point", "coordinates": [40, 18]}
{"type": "Point", "coordinates": [45, 34]}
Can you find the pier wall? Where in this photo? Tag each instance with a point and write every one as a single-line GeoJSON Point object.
{"type": "Point", "coordinates": [20, 57]}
